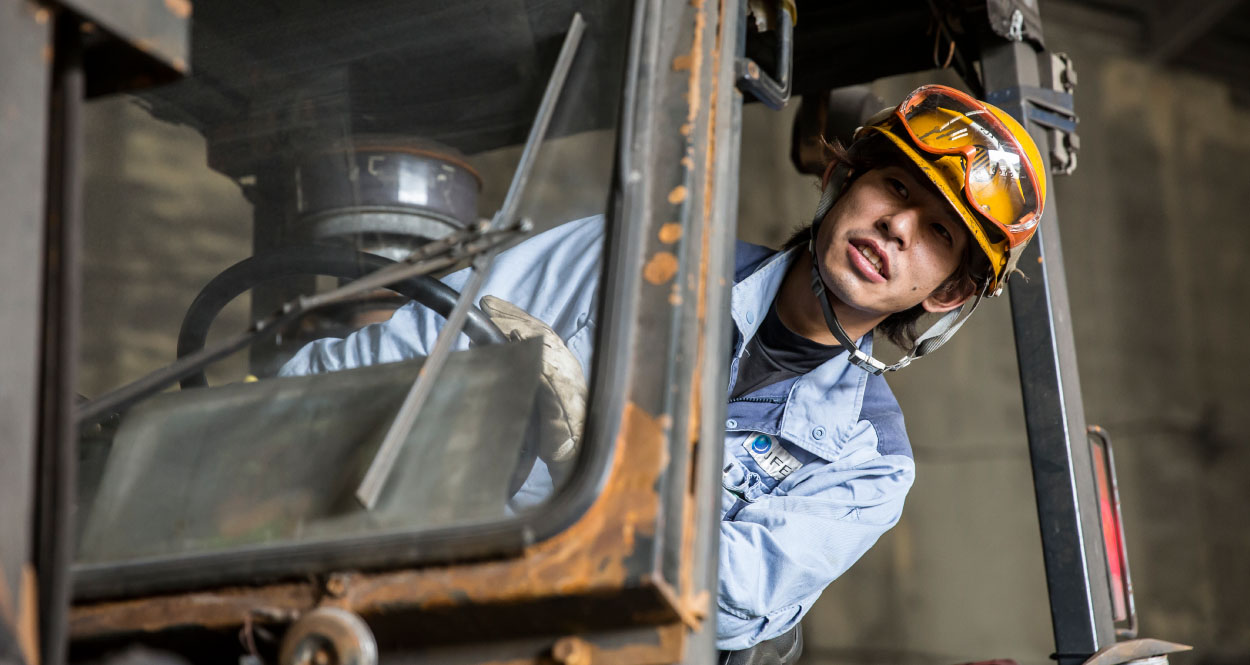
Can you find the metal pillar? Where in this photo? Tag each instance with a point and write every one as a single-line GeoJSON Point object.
{"type": "Point", "coordinates": [25, 39]}
{"type": "Point", "coordinates": [1067, 506]}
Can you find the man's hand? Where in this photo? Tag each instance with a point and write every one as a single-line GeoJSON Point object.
{"type": "Point", "coordinates": [562, 388]}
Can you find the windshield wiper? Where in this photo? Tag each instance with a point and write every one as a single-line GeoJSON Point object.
{"type": "Point", "coordinates": [384, 460]}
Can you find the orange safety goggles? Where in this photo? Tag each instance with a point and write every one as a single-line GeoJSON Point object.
{"type": "Point", "coordinates": [999, 179]}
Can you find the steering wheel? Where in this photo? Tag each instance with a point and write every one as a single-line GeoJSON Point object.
{"type": "Point", "coordinates": [341, 262]}
{"type": "Point", "coordinates": [344, 263]}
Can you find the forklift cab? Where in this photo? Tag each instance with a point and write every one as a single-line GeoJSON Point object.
{"type": "Point", "coordinates": [306, 170]}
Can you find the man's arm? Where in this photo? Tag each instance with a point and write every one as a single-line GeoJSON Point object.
{"type": "Point", "coordinates": [553, 276]}
{"type": "Point", "coordinates": [779, 552]}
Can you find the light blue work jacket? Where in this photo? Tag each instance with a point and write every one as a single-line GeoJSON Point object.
{"type": "Point", "coordinates": [816, 467]}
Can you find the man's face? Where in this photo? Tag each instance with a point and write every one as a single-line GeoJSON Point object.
{"type": "Point", "coordinates": [889, 242]}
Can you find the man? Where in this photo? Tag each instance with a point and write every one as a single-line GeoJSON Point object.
{"type": "Point", "coordinates": [926, 212]}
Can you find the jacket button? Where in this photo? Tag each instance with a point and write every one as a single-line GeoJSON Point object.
{"type": "Point", "coordinates": [818, 433]}
{"type": "Point", "coordinates": [750, 317]}
{"type": "Point", "coordinates": [731, 423]}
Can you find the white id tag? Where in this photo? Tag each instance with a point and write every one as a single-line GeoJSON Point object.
{"type": "Point", "coordinates": [771, 456]}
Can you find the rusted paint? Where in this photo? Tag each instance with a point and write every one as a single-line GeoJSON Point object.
{"type": "Point", "coordinates": [586, 557]}
{"type": "Point", "coordinates": [687, 162]}
{"type": "Point", "coordinates": [222, 608]}
{"type": "Point", "coordinates": [42, 15]}
{"type": "Point", "coordinates": [179, 8]}
{"type": "Point", "coordinates": [674, 297]}
{"type": "Point", "coordinates": [28, 615]}
{"type": "Point", "coordinates": [677, 195]}
{"type": "Point", "coordinates": [670, 649]}
{"type": "Point", "coordinates": [681, 63]}
{"type": "Point", "coordinates": [687, 128]}
{"type": "Point", "coordinates": [693, 98]}
{"type": "Point", "coordinates": [695, 603]}
{"type": "Point", "coordinates": [670, 233]}
{"type": "Point", "coordinates": [589, 555]}
{"type": "Point", "coordinates": [661, 268]}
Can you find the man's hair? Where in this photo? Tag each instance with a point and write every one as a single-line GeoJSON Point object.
{"type": "Point", "coordinates": [874, 152]}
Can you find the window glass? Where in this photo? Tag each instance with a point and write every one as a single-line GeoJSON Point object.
{"type": "Point", "coordinates": [316, 143]}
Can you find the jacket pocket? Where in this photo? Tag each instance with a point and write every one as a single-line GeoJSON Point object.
{"type": "Point", "coordinates": [740, 481]}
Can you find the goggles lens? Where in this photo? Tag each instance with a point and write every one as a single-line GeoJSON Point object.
{"type": "Point", "coordinates": [999, 181]}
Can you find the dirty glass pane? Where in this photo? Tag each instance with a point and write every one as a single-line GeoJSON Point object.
{"type": "Point", "coordinates": [315, 143]}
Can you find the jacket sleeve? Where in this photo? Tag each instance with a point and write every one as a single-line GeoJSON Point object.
{"type": "Point", "coordinates": [553, 276]}
{"type": "Point", "coordinates": [780, 551]}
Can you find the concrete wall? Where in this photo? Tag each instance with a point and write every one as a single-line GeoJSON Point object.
{"type": "Point", "coordinates": [1154, 235]}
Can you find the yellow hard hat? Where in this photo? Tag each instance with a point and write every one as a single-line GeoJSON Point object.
{"type": "Point", "coordinates": [981, 160]}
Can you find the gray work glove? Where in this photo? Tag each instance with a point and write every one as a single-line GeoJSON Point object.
{"type": "Point", "coordinates": [562, 387]}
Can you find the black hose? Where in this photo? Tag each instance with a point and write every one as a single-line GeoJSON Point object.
{"type": "Point", "coordinates": [292, 261]}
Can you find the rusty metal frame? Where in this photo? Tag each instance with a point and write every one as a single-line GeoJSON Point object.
{"type": "Point", "coordinates": [628, 558]}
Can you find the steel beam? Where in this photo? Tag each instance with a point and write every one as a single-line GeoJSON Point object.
{"type": "Point", "coordinates": [1067, 507]}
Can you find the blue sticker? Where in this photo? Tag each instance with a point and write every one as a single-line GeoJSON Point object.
{"type": "Point", "coordinates": [762, 444]}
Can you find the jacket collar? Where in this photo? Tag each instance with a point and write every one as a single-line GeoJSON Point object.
{"type": "Point", "coordinates": [823, 406]}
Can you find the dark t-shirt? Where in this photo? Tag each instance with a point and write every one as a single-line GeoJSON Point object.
{"type": "Point", "coordinates": [776, 353]}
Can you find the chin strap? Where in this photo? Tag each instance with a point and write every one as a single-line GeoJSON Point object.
{"type": "Point", "coordinates": [938, 334]}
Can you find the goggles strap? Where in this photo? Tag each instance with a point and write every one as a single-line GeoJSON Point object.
{"type": "Point", "coordinates": [946, 327]}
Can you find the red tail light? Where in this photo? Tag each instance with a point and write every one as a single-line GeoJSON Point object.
{"type": "Point", "coordinates": [1122, 606]}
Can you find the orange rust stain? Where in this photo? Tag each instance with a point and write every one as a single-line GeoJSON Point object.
{"type": "Point", "coordinates": [28, 615]}
{"type": "Point", "coordinates": [687, 162]}
{"type": "Point", "coordinates": [694, 603]}
{"type": "Point", "coordinates": [221, 608]}
{"type": "Point", "coordinates": [45, 53]}
{"type": "Point", "coordinates": [693, 98]}
{"type": "Point", "coordinates": [674, 298]}
{"type": "Point", "coordinates": [42, 15]}
{"type": "Point", "coordinates": [670, 233]}
{"type": "Point", "coordinates": [681, 63]}
{"type": "Point", "coordinates": [661, 268]}
{"type": "Point", "coordinates": [179, 8]}
{"type": "Point", "coordinates": [687, 128]}
{"type": "Point", "coordinates": [677, 195]}
{"type": "Point", "coordinates": [587, 556]}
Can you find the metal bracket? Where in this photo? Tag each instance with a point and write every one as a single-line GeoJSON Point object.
{"type": "Point", "coordinates": [774, 92]}
{"type": "Point", "coordinates": [1051, 108]}
{"type": "Point", "coordinates": [1016, 20]}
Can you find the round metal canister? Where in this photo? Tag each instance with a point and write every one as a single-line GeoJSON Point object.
{"type": "Point", "coordinates": [384, 194]}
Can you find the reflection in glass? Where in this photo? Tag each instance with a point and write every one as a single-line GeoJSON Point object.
{"type": "Point", "coordinates": [304, 140]}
